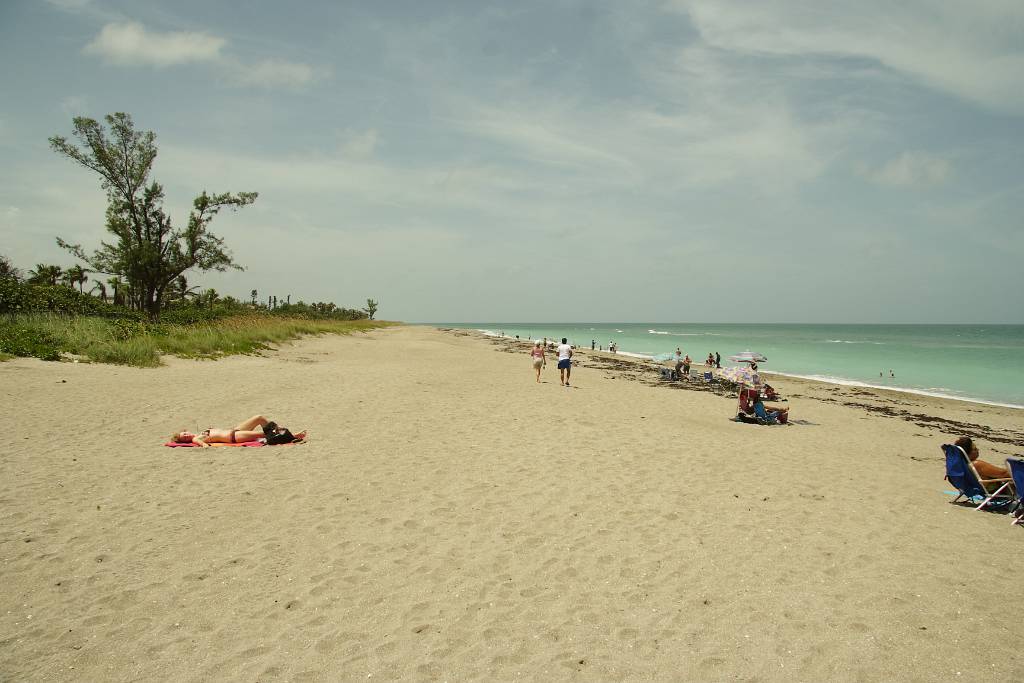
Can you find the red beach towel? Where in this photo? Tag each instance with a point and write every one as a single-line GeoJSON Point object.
{"type": "Point", "coordinates": [250, 444]}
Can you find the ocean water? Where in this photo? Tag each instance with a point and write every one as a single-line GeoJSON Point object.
{"type": "Point", "coordinates": [982, 363]}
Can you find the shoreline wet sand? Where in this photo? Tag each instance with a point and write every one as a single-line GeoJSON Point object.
{"type": "Point", "coordinates": [450, 519]}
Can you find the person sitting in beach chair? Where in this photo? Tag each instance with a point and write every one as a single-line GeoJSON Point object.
{"type": "Point", "coordinates": [770, 414]}
{"type": "Point", "coordinates": [750, 405]}
{"type": "Point", "coordinates": [985, 469]}
{"type": "Point", "coordinates": [1016, 468]}
{"type": "Point", "coordinates": [961, 472]}
{"type": "Point", "coordinates": [256, 428]}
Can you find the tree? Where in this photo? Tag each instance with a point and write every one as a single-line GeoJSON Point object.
{"type": "Point", "coordinates": [45, 274]}
{"type": "Point", "coordinates": [371, 308]}
{"type": "Point", "coordinates": [147, 251]}
{"type": "Point", "coordinates": [102, 288]}
{"type": "Point", "coordinates": [180, 291]}
{"type": "Point", "coordinates": [209, 297]}
{"type": "Point", "coordinates": [254, 294]}
{"type": "Point", "coordinates": [76, 275]}
{"type": "Point", "coordinates": [117, 284]}
{"type": "Point", "coordinates": [8, 271]}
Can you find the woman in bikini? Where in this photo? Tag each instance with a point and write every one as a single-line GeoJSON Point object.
{"type": "Point", "coordinates": [538, 358]}
{"type": "Point", "coordinates": [255, 428]}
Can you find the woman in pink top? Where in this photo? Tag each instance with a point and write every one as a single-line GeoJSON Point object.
{"type": "Point", "coordinates": [538, 358]}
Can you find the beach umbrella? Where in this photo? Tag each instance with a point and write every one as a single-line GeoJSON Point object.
{"type": "Point", "coordinates": [742, 375]}
{"type": "Point", "coordinates": [749, 357]}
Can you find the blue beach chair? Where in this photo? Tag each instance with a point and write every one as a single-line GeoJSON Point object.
{"type": "Point", "coordinates": [961, 474]}
{"type": "Point", "coordinates": [1016, 467]}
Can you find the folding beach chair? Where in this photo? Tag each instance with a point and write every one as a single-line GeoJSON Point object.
{"type": "Point", "coordinates": [1016, 467]}
{"type": "Point", "coordinates": [961, 474]}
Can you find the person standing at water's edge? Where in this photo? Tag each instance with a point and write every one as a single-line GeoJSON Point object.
{"type": "Point", "coordinates": [718, 360]}
{"type": "Point", "coordinates": [564, 362]}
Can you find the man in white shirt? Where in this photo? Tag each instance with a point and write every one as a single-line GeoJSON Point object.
{"type": "Point", "coordinates": [564, 362]}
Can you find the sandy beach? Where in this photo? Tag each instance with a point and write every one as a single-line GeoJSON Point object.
{"type": "Point", "coordinates": [452, 520]}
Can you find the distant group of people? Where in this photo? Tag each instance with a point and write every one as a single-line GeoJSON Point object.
{"type": "Point", "coordinates": [682, 363]}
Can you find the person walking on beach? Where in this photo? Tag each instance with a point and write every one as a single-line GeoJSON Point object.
{"type": "Point", "coordinates": [564, 362]}
{"type": "Point", "coordinates": [679, 362]}
{"type": "Point", "coordinates": [539, 361]}
{"type": "Point", "coordinates": [686, 365]}
{"type": "Point", "coordinates": [592, 342]}
{"type": "Point", "coordinates": [718, 360]}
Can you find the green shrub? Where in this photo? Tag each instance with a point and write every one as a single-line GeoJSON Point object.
{"type": "Point", "coordinates": [25, 340]}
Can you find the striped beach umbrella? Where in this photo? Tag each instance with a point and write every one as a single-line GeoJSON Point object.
{"type": "Point", "coordinates": [741, 375]}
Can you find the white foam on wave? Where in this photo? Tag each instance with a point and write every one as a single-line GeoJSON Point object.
{"type": "Point", "coordinates": [939, 392]}
{"type": "Point", "coordinates": [850, 341]}
{"type": "Point", "coordinates": [678, 334]}
{"type": "Point", "coordinates": [631, 354]}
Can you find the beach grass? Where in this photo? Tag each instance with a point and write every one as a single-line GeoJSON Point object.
{"type": "Point", "coordinates": [140, 344]}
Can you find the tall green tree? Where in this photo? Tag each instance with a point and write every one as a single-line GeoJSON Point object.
{"type": "Point", "coordinates": [8, 271]}
{"type": "Point", "coordinates": [98, 286]}
{"type": "Point", "coordinates": [45, 274]}
{"type": "Point", "coordinates": [118, 287]}
{"type": "Point", "coordinates": [146, 249]}
{"type": "Point", "coordinates": [76, 275]}
{"type": "Point", "coordinates": [371, 308]}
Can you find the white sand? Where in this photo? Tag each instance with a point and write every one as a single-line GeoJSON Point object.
{"type": "Point", "coordinates": [452, 520]}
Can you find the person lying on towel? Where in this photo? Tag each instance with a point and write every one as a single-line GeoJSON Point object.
{"type": "Point", "coordinates": [256, 428]}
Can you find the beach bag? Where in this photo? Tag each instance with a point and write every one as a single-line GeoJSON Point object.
{"type": "Point", "coordinates": [280, 437]}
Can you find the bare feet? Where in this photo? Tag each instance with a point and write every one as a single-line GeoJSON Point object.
{"type": "Point", "coordinates": [301, 436]}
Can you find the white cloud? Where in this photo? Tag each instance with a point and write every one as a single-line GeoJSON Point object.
{"type": "Point", "coordinates": [74, 105]}
{"type": "Point", "coordinates": [130, 43]}
{"type": "Point", "coordinates": [359, 145]}
{"type": "Point", "coordinates": [972, 50]}
{"type": "Point", "coordinates": [70, 5]}
{"type": "Point", "coordinates": [909, 169]}
{"type": "Point", "coordinates": [271, 73]}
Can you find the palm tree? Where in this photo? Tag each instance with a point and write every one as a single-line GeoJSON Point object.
{"type": "Point", "coordinates": [102, 289]}
{"type": "Point", "coordinates": [179, 290]}
{"type": "Point", "coordinates": [209, 297]}
{"type": "Point", "coordinates": [76, 275]}
{"type": "Point", "coordinates": [45, 274]}
{"type": "Point", "coordinates": [254, 294]}
{"type": "Point", "coordinates": [117, 284]}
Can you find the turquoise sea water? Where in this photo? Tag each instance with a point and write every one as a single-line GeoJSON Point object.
{"type": "Point", "coordinates": [983, 363]}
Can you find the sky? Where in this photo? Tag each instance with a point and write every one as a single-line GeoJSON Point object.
{"type": "Point", "coordinates": [555, 161]}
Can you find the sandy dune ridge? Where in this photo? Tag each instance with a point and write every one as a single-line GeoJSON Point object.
{"type": "Point", "coordinates": [450, 519]}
